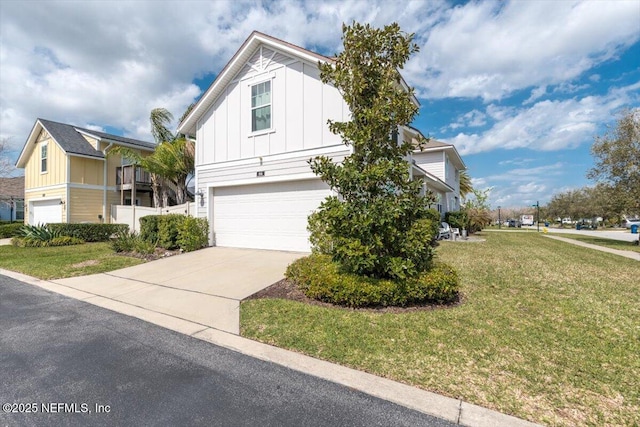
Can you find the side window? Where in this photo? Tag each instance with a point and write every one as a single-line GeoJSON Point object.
{"type": "Point", "coordinates": [44, 157]}
{"type": "Point", "coordinates": [261, 106]}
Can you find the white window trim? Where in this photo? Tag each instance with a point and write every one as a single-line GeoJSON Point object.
{"type": "Point", "coordinates": [272, 128]}
{"type": "Point", "coordinates": [46, 144]}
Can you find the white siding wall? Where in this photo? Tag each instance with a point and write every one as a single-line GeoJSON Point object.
{"type": "Point", "coordinates": [432, 162]}
{"type": "Point", "coordinates": [227, 153]}
{"type": "Point", "coordinates": [301, 106]}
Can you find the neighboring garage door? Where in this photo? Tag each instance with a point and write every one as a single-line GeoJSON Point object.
{"type": "Point", "coordinates": [46, 211]}
{"type": "Point", "coordinates": [266, 216]}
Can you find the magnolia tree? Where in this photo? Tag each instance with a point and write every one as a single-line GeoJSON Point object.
{"type": "Point", "coordinates": [379, 224]}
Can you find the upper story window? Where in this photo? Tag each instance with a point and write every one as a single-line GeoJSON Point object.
{"type": "Point", "coordinates": [44, 155]}
{"type": "Point", "coordinates": [261, 106]}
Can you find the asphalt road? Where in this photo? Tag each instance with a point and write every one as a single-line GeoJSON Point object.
{"type": "Point", "coordinates": [64, 362]}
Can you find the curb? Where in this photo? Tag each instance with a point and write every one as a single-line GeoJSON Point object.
{"type": "Point", "coordinates": [447, 408]}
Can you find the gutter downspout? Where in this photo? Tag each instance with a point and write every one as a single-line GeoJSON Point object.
{"type": "Point", "coordinates": [104, 191]}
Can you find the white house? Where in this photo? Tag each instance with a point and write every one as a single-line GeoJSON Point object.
{"type": "Point", "coordinates": [256, 127]}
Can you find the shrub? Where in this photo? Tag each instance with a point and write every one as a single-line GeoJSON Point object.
{"type": "Point", "coordinates": [434, 216]}
{"type": "Point", "coordinates": [457, 219]}
{"type": "Point", "coordinates": [10, 230]}
{"type": "Point", "coordinates": [29, 242]}
{"type": "Point", "coordinates": [126, 241]}
{"type": "Point", "coordinates": [478, 219]}
{"type": "Point", "coordinates": [89, 232]}
{"type": "Point", "coordinates": [320, 278]}
{"type": "Point", "coordinates": [38, 232]}
{"type": "Point", "coordinates": [144, 247]}
{"type": "Point", "coordinates": [320, 240]}
{"type": "Point", "coordinates": [168, 226]}
{"type": "Point", "coordinates": [149, 227]}
{"type": "Point", "coordinates": [193, 234]}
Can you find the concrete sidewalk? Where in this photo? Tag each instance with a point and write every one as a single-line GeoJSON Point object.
{"type": "Point", "coordinates": [626, 254]}
{"type": "Point", "coordinates": [454, 410]}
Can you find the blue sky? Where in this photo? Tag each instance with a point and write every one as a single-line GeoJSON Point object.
{"type": "Point", "coordinates": [519, 87]}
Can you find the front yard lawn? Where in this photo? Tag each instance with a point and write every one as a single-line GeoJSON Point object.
{"type": "Point", "coordinates": [547, 331]}
{"type": "Point", "coordinates": [63, 261]}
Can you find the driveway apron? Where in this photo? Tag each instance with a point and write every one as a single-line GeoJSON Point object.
{"type": "Point", "coordinates": [204, 286]}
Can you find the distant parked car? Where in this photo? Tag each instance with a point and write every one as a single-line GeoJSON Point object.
{"type": "Point", "coordinates": [629, 222]}
{"type": "Point", "coordinates": [514, 223]}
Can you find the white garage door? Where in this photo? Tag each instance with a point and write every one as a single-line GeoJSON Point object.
{"type": "Point", "coordinates": [46, 211]}
{"type": "Point", "coordinates": [266, 216]}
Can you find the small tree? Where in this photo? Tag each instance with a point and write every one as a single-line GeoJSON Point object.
{"type": "Point", "coordinates": [378, 224]}
{"type": "Point", "coordinates": [477, 210]}
{"type": "Point", "coordinates": [6, 166]}
{"type": "Point", "coordinates": [172, 161]}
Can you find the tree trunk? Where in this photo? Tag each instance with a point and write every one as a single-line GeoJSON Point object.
{"type": "Point", "coordinates": [155, 187]}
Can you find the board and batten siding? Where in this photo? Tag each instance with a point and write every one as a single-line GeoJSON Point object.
{"type": "Point", "coordinates": [56, 164]}
{"type": "Point", "coordinates": [300, 107]}
{"type": "Point", "coordinates": [87, 171]}
{"type": "Point", "coordinates": [85, 204]}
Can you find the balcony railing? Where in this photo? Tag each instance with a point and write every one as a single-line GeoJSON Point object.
{"type": "Point", "coordinates": [124, 175]}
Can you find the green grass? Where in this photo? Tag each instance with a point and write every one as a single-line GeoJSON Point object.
{"type": "Point", "coordinates": [547, 331]}
{"type": "Point", "coordinates": [63, 261]}
{"type": "Point", "coordinates": [609, 243]}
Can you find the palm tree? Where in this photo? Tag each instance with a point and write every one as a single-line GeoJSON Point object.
{"type": "Point", "coordinates": [178, 158]}
{"type": "Point", "coordinates": [172, 161]}
{"type": "Point", "coordinates": [465, 184]}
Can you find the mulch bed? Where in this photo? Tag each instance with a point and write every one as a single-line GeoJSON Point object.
{"type": "Point", "coordinates": [285, 289]}
{"type": "Point", "coordinates": [159, 253]}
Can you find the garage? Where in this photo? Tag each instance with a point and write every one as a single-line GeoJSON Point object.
{"type": "Point", "coordinates": [45, 211]}
{"type": "Point", "coordinates": [266, 216]}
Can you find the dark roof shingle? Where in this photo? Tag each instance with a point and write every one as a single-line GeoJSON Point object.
{"type": "Point", "coordinates": [72, 141]}
{"type": "Point", "coordinates": [12, 187]}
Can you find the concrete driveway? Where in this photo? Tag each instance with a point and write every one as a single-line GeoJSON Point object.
{"type": "Point", "coordinates": [204, 286]}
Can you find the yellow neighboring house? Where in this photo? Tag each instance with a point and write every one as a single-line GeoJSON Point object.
{"type": "Point", "coordinates": [69, 176]}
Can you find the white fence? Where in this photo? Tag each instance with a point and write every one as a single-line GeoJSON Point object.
{"type": "Point", "coordinates": [125, 214]}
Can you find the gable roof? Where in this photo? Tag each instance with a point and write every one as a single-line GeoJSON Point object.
{"type": "Point", "coordinates": [433, 145]}
{"type": "Point", "coordinates": [235, 65]}
{"type": "Point", "coordinates": [12, 187]}
{"type": "Point", "coordinates": [71, 141]}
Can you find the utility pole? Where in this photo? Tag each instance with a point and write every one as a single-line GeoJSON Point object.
{"type": "Point", "coordinates": [537, 206]}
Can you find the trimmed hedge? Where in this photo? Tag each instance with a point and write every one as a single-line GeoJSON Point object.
{"type": "Point", "coordinates": [149, 227]}
{"type": "Point", "coordinates": [10, 230]}
{"type": "Point", "coordinates": [320, 278]}
{"type": "Point", "coordinates": [193, 234]}
{"type": "Point", "coordinates": [89, 232]}
{"type": "Point", "coordinates": [175, 231]}
{"type": "Point", "coordinates": [168, 226]}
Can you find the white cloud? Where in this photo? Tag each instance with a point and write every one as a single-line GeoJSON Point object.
{"type": "Point", "coordinates": [491, 49]}
{"type": "Point", "coordinates": [547, 125]}
{"type": "Point", "coordinates": [96, 62]}
{"type": "Point", "coordinates": [535, 94]}
{"type": "Point", "coordinates": [107, 65]}
{"type": "Point", "coordinates": [473, 118]}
